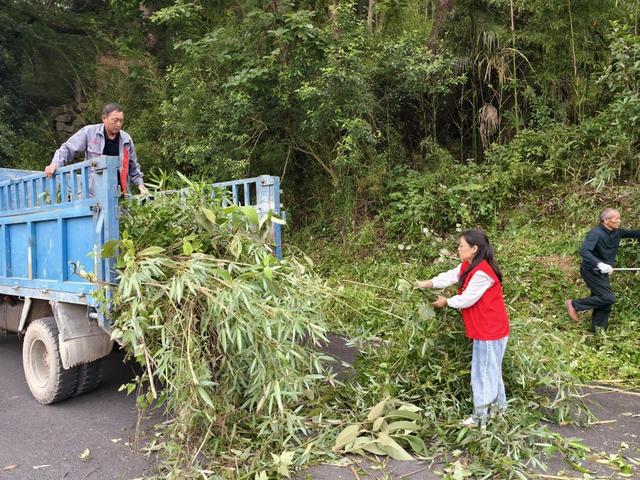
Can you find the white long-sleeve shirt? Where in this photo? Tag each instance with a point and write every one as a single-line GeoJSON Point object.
{"type": "Point", "coordinates": [479, 283]}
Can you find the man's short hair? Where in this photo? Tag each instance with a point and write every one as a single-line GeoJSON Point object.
{"type": "Point", "coordinates": [606, 213]}
{"type": "Point", "coordinates": [111, 107]}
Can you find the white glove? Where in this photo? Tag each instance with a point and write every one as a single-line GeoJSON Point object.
{"type": "Point", "coordinates": [605, 268]}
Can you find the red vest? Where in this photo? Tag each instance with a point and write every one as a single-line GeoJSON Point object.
{"type": "Point", "coordinates": [486, 319]}
{"type": "Point", "coordinates": [124, 170]}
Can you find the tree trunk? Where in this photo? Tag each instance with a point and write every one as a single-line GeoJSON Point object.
{"type": "Point", "coordinates": [370, 14]}
{"type": "Point", "coordinates": [515, 69]}
{"type": "Point", "coordinates": [335, 30]}
{"type": "Point", "coordinates": [439, 16]}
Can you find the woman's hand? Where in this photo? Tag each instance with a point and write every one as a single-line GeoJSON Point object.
{"type": "Point", "coordinates": [440, 302]}
{"type": "Point", "coordinates": [423, 284]}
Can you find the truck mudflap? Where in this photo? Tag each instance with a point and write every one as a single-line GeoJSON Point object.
{"type": "Point", "coordinates": [81, 340]}
{"type": "Point", "coordinates": [10, 313]}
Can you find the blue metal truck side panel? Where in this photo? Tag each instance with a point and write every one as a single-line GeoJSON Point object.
{"type": "Point", "coordinates": [48, 223]}
{"type": "Point", "coordinates": [11, 173]}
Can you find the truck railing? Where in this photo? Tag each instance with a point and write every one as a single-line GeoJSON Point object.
{"type": "Point", "coordinates": [261, 193]}
{"type": "Point", "coordinates": [52, 228]}
{"type": "Point", "coordinates": [35, 191]}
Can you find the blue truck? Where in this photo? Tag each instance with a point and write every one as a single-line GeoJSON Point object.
{"type": "Point", "coordinates": [52, 230]}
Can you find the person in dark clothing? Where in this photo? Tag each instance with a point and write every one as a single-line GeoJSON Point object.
{"type": "Point", "coordinates": [598, 254]}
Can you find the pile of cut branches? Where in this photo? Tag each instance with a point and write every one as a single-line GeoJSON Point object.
{"type": "Point", "coordinates": [227, 335]}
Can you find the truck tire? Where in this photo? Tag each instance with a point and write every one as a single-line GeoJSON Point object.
{"type": "Point", "coordinates": [47, 380]}
{"type": "Point", "coordinates": [89, 376]}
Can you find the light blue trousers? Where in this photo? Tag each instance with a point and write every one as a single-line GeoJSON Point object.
{"type": "Point", "coordinates": [486, 377]}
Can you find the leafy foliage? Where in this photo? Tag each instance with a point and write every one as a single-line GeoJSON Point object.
{"type": "Point", "coordinates": [412, 356]}
{"type": "Point", "coordinates": [389, 424]}
{"type": "Point", "coordinates": [227, 335]}
{"type": "Point", "coordinates": [10, 96]}
{"type": "Point", "coordinates": [387, 144]}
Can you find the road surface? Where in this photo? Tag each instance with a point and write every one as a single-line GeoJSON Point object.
{"type": "Point", "coordinates": [40, 442]}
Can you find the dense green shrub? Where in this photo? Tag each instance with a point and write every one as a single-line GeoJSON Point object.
{"type": "Point", "coordinates": [449, 194]}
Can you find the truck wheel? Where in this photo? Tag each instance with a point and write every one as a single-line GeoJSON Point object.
{"type": "Point", "coordinates": [47, 380]}
{"type": "Point", "coordinates": [89, 376]}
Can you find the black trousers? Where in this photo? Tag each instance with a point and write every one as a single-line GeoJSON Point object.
{"type": "Point", "coordinates": [601, 299]}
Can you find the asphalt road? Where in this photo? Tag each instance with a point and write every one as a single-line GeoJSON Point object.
{"type": "Point", "coordinates": [47, 442]}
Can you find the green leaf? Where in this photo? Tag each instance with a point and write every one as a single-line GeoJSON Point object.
{"type": "Point", "coordinates": [347, 435]}
{"type": "Point", "coordinates": [268, 273]}
{"type": "Point", "coordinates": [230, 209]}
{"type": "Point", "coordinates": [205, 396]}
{"type": "Point", "coordinates": [187, 248]}
{"type": "Point", "coordinates": [377, 424]}
{"type": "Point", "coordinates": [393, 448]}
{"type": "Point", "coordinates": [151, 252]}
{"type": "Point", "coordinates": [209, 214]}
{"type": "Point", "coordinates": [287, 457]}
{"type": "Point", "coordinates": [362, 443]}
{"type": "Point", "coordinates": [417, 444]}
{"type": "Point", "coordinates": [404, 414]}
{"type": "Point", "coordinates": [373, 448]}
{"type": "Point", "coordinates": [278, 395]}
{"type": "Point", "coordinates": [377, 410]}
{"type": "Point", "coordinates": [251, 214]}
{"type": "Point", "coordinates": [235, 247]}
{"type": "Point", "coordinates": [409, 408]}
{"type": "Point", "coordinates": [283, 470]}
{"type": "Point", "coordinates": [206, 224]}
{"type": "Point", "coordinates": [403, 425]}
{"type": "Point", "coordinates": [109, 248]}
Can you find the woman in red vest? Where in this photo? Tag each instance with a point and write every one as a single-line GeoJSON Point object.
{"type": "Point", "coordinates": [486, 322]}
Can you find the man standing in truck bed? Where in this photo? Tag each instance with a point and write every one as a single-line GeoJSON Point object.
{"type": "Point", "coordinates": [106, 138]}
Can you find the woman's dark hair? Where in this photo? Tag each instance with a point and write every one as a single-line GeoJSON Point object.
{"type": "Point", "coordinates": [479, 239]}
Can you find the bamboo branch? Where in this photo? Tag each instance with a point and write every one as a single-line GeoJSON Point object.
{"type": "Point", "coordinates": [610, 389]}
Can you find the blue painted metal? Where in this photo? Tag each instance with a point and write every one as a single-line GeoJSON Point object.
{"type": "Point", "coordinates": [263, 194]}
{"type": "Point", "coordinates": [11, 173]}
{"type": "Point", "coordinates": [48, 223]}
